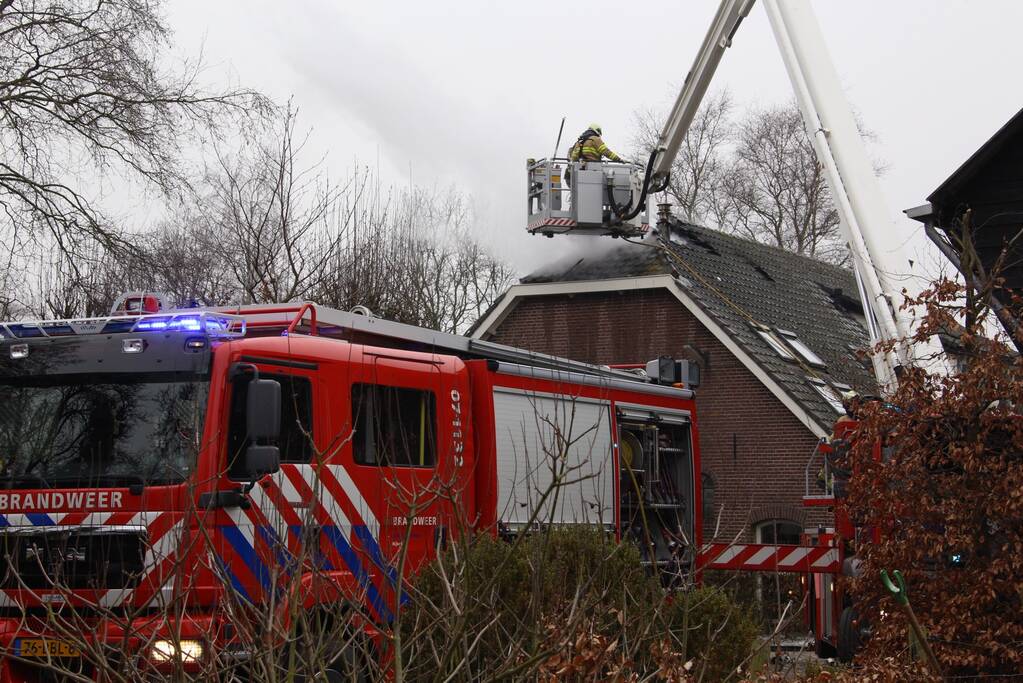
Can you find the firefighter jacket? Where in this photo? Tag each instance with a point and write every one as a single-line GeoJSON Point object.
{"type": "Point", "coordinates": [589, 147]}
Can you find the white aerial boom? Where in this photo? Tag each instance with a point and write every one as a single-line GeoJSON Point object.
{"type": "Point", "coordinates": [862, 210]}
{"type": "Point", "coordinates": [718, 39]}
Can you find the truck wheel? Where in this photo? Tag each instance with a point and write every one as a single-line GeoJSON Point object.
{"type": "Point", "coordinates": [824, 649]}
{"type": "Point", "coordinates": [350, 666]}
{"type": "Point", "coordinates": [345, 674]}
{"type": "Point", "coordinates": [849, 634]}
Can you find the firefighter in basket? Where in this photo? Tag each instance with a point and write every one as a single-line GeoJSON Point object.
{"type": "Point", "coordinates": [590, 147]}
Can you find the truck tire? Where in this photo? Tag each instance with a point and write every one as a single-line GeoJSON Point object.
{"type": "Point", "coordinates": [849, 634]}
{"type": "Point", "coordinates": [824, 649]}
{"type": "Point", "coordinates": [349, 667]}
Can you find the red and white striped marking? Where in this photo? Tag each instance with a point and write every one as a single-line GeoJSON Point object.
{"type": "Point", "coordinates": [754, 557]}
{"type": "Point", "coordinates": [566, 222]}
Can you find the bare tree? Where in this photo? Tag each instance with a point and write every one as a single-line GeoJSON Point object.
{"type": "Point", "coordinates": [83, 94]}
{"type": "Point", "coordinates": [775, 191]}
{"type": "Point", "coordinates": [277, 225]}
{"type": "Point", "coordinates": [175, 258]}
{"type": "Point", "coordinates": [702, 158]}
{"type": "Point", "coordinates": [412, 258]}
{"type": "Point", "coordinates": [758, 177]}
{"type": "Point", "coordinates": [262, 227]}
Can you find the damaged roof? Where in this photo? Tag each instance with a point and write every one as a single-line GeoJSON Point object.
{"type": "Point", "coordinates": [738, 283]}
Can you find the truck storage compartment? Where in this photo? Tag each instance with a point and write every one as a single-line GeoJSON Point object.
{"type": "Point", "coordinates": [554, 456]}
{"type": "Point", "coordinates": [657, 485]}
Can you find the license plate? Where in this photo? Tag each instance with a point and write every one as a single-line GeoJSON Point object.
{"type": "Point", "coordinates": [45, 648]}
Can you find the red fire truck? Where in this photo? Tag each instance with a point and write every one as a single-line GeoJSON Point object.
{"type": "Point", "coordinates": [181, 457]}
{"type": "Point", "coordinates": [125, 439]}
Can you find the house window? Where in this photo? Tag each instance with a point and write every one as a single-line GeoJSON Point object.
{"type": "Point", "coordinates": [802, 349]}
{"type": "Point", "coordinates": [394, 426]}
{"type": "Point", "coordinates": [828, 393]}
{"type": "Point", "coordinates": [779, 532]}
{"type": "Point", "coordinates": [774, 342]}
{"type": "Point", "coordinates": [295, 440]}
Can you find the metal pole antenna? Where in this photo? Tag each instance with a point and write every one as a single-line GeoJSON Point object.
{"type": "Point", "coordinates": [558, 143]}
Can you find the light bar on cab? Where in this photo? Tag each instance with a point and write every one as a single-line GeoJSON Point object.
{"type": "Point", "coordinates": [196, 322]}
{"type": "Point", "coordinates": [215, 324]}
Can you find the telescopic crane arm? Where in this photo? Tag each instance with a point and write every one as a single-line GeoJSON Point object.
{"type": "Point", "coordinates": [718, 39]}
{"type": "Point", "coordinates": [863, 213]}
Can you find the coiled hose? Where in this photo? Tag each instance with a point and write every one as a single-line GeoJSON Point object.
{"type": "Point", "coordinates": [627, 213]}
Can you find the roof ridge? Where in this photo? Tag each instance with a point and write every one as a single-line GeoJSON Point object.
{"type": "Point", "coordinates": [726, 236]}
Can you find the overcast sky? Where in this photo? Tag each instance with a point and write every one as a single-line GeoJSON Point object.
{"type": "Point", "coordinates": [461, 93]}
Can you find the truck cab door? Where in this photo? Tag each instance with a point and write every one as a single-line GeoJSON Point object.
{"type": "Point", "coordinates": [396, 433]}
{"type": "Point", "coordinates": [404, 438]}
{"type": "Point", "coordinates": [263, 541]}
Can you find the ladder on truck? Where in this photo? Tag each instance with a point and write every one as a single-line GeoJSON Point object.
{"type": "Point", "coordinates": [308, 318]}
{"type": "Point", "coordinates": [364, 328]}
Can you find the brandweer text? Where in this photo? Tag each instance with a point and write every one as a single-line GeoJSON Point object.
{"type": "Point", "coordinates": [74, 499]}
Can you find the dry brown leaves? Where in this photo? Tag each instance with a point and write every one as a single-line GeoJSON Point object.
{"type": "Point", "coordinates": [948, 501]}
{"type": "Point", "coordinates": [586, 655]}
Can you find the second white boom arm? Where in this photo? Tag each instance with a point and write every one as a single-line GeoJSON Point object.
{"type": "Point", "coordinates": [863, 213]}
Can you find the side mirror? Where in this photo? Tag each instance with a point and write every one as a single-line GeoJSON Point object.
{"type": "Point", "coordinates": [260, 460]}
{"type": "Point", "coordinates": [263, 409]}
{"type": "Point", "coordinates": [668, 371]}
{"type": "Point", "coordinates": [690, 373]}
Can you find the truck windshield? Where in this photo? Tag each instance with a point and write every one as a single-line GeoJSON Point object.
{"type": "Point", "coordinates": [100, 430]}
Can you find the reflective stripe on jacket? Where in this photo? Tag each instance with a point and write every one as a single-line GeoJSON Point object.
{"type": "Point", "coordinates": [591, 148]}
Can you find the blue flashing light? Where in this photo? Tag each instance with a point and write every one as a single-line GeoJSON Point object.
{"type": "Point", "coordinates": [192, 322]}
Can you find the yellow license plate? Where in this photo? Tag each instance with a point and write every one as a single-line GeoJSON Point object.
{"type": "Point", "coordinates": [45, 648]}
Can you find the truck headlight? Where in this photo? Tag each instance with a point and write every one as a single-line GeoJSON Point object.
{"type": "Point", "coordinates": [164, 651]}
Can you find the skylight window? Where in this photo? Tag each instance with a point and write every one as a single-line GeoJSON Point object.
{"type": "Point", "coordinates": [828, 393]}
{"type": "Point", "coordinates": [774, 343]}
{"type": "Point", "coordinates": [802, 349]}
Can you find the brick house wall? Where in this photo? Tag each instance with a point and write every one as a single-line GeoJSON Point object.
{"type": "Point", "coordinates": [751, 445]}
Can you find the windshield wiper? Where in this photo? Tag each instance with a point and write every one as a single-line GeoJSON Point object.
{"type": "Point", "coordinates": [21, 481]}
{"type": "Point", "coordinates": [134, 483]}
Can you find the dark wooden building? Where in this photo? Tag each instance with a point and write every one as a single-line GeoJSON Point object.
{"type": "Point", "coordinates": [984, 197]}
